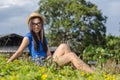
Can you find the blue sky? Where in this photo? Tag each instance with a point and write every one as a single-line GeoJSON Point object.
{"type": "Point", "coordinates": [110, 8]}
{"type": "Point", "coordinates": [13, 14]}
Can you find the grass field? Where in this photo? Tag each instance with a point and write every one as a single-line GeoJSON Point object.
{"type": "Point", "coordinates": [24, 69]}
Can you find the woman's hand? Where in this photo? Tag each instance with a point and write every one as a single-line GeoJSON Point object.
{"type": "Point", "coordinates": [9, 60]}
{"type": "Point", "coordinates": [23, 45]}
{"type": "Point", "coordinates": [48, 57]}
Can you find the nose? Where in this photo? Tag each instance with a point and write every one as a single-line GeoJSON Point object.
{"type": "Point", "coordinates": [36, 26]}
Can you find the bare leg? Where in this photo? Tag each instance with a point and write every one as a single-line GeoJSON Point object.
{"type": "Point", "coordinates": [61, 50]}
{"type": "Point", "coordinates": [63, 55]}
{"type": "Point", "coordinates": [78, 63]}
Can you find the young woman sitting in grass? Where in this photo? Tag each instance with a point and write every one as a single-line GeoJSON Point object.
{"type": "Point", "coordinates": [38, 46]}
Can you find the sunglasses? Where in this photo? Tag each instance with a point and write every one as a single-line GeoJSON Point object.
{"type": "Point", "coordinates": [36, 24]}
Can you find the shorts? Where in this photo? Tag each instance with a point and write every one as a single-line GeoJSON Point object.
{"type": "Point", "coordinates": [40, 61]}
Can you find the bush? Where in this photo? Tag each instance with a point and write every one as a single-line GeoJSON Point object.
{"type": "Point", "coordinates": [97, 54]}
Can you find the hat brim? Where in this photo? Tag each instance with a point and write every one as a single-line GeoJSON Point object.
{"type": "Point", "coordinates": [35, 15]}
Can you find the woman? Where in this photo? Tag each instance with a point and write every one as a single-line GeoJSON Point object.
{"type": "Point", "coordinates": [38, 46]}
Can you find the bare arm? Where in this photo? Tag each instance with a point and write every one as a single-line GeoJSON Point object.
{"type": "Point", "coordinates": [23, 45]}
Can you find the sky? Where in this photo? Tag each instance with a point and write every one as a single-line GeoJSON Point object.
{"type": "Point", "coordinates": [13, 15]}
{"type": "Point", "coordinates": [110, 8]}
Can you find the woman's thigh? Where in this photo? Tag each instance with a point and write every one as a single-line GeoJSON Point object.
{"type": "Point", "coordinates": [61, 50]}
{"type": "Point", "coordinates": [62, 60]}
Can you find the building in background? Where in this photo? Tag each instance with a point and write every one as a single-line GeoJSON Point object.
{"type": "Point", "coordinates": [9, 43]}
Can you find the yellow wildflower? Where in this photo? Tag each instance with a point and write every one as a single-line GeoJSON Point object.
{"type": "Point", "coordinates": [3, 79]}
{"type": "Point", "coordinates": [82, 74]}
{"type": "Point", "coordinates": [43, 69]}
{"type": "Point", "coordinates": [12, 78]}
{"type": "Point", "coordinates": [44, 76]}
{"type": "Point", "coordinates": [90, 78]}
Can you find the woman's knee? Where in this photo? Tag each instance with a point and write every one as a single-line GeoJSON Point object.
{"type": "Point", "coordinates": [72, 55]}
{"type": "Point", "coordinates": [63, 46]}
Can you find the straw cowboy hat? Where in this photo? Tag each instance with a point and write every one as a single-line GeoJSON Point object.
{"type": "Point", "coordinates": [35, 14]}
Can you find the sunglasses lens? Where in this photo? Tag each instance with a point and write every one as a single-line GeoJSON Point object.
{"type": "Point", "coordinates": [36, 24]}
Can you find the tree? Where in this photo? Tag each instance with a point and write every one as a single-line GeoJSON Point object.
{"type": "Point", "coordinates": [113, 45]}
{"type": "Point", "coordinates": [75, 21]}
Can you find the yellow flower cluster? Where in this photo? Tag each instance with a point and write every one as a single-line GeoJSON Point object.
{"type": "Point", "coordinates": [109, 77]}
{"type": "Point", "coordinates": [82, 73]}
{"type": "Point", "coordinates": [44, 76]}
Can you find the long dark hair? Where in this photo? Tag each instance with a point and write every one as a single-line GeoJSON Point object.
{"type": "Point", "coordinates": [41, 35]}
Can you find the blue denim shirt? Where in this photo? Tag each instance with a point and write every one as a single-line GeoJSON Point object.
{"type": "Point", "coordinates": [33, 52]}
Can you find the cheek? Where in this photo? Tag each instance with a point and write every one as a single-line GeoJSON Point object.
{"type": "Point", "coordinates": [36, 28]}
{"type": "Point", "coordinates": [39, 28]}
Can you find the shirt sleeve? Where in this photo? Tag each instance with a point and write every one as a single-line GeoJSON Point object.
{"type": "Point", "coordinates": [29, 36]}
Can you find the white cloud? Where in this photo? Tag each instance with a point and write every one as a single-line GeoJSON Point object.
{"type": "Point", "coordinates": [23, 2]}
{"type": "Point", "coordinates": [13, 14]}
{"type": "Point", "coordinates": [4, 6]}
{"type": "Point", "coordinates": [6, 3]}
{"type": "Point", "coordinates": [20, 3]}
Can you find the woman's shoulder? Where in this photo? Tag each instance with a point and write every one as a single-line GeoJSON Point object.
{"type": "Point", "coordinates": [29, 35]}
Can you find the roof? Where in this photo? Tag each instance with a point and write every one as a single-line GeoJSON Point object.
{"type": "Point", "coordinates": [10, 35]}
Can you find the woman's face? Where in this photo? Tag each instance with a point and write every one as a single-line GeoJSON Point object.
{"type": "Point", "coordinates": [36, 25]}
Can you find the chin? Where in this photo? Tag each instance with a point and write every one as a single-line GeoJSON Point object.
{"type": "Point", "coordinates": [36, 31]}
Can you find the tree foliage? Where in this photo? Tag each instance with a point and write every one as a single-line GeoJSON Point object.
{"type": "Point", "coordinates": [113, 45]}
{"type": "Point", "coordinates": [100, 55]}
{"type": "Point", "coordinates": [77, 22]}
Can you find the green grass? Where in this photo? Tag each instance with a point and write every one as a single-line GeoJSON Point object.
{"type": "Point", "coordinates": [25, 69]}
